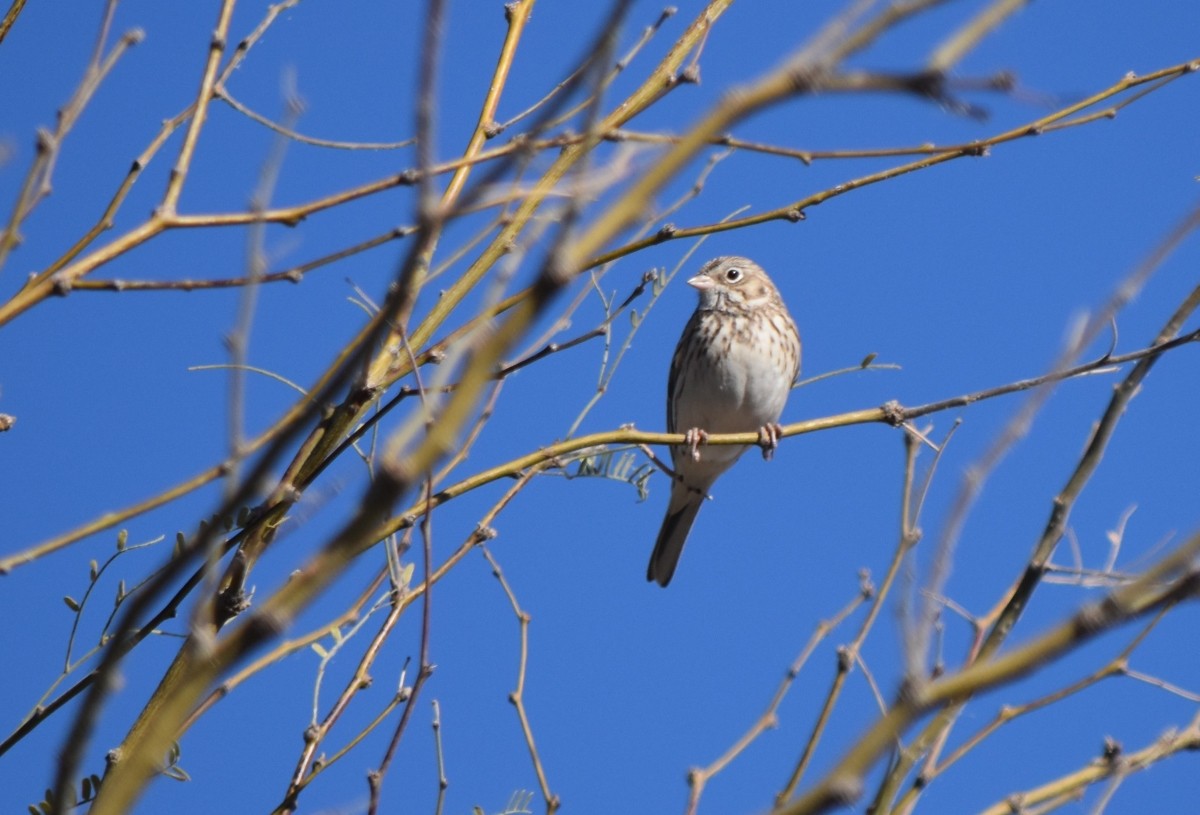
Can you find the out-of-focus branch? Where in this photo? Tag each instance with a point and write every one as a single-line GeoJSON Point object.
{"type": "Point", "coordinates": [794, 212]}
{"type": "Point", "coordinates": [1117, 666]}
{"type": "Point", "coordinates": [1172, 580]}
{"type": "Point", "coordinates": [1005, 616]}
{"type": "Point", "coordinates": [1113, 764]}
{"type": "Point", "coordinates": [38, 180]}
{"type": "Point", "coordinates": [954, 48]}
{"type": "Point", "coordinates": [10, 18]}
{"type": "Point", "coordinates": [293, 275]}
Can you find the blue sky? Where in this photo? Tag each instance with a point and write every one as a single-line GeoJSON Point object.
{"type": "Point", "coordinates": [967, 275]}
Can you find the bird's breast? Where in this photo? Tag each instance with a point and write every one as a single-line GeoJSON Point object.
{"type": "Point", "coordinates": [737, 382]}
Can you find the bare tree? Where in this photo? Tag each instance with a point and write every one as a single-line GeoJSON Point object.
{"type": "Point", "coordinates": [524, 246]}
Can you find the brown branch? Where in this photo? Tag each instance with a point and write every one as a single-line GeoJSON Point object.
{"type": "Point", "coordinates": [37, 184]}
{"type": "Point", "coordinates": [308, 769]}
{"type": "Point", "coordinates": [10, 18]}
{"type": "Point", "coordinates": [286, 648]}
{"type": "Point", "coordinates": [443, 782]}
{"type": "Point", "coordinates": [293, 275]}
{"type": "Point", "coordinates": [315, 733]}
{"type": "Point", "coordinates": [222, 93]}
{"type": "Point", "coordinates": [517, 697]}
{"type": "Point", "coordinates": [1005, 616]}
{"type": "Point", "coordinates": [497, 128]}
{"type": "Point", "coordinates": [1117, 666]}
{"type": "Point", "coordinates": [425, 668]}
{"type": "Point", "coordinates": [1172, 580]}
{"type": "Point", "coordinates": [794, 211]}
{"type": "Point", "coordinates": [208, 80]}
{"type": "Point", "coordinates": [1114, 764]}
{"type": "Point", "coordinates": [951, 51]}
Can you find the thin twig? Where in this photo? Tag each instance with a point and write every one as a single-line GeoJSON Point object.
{"type": "Point", "coordinates": [1113, 765]}
{"type": "Point", "coordinates": [443, 782]}
{"type": "Point", "coordinates": [517, 697]}
{"type": "Point", "coordinates": [289, 132]}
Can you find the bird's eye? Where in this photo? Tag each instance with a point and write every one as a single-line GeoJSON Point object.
{"type": "Point", "coordinates": [733, 275]}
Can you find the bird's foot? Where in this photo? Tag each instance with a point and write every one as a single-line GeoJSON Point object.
{"type": "Point", "coordinates": [768, 439]}
{"type": "Point", "coordinates": [693, 439]}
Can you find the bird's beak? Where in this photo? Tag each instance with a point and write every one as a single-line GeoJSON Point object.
{"type": "Point", "coordinates": [701, 282]}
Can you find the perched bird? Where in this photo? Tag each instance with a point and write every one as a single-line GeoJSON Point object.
{"type": "Point", "coordinates": [731, 373]}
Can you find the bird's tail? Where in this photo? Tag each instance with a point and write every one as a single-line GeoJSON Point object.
{"type": "Point", "coordinates": [681, 514]}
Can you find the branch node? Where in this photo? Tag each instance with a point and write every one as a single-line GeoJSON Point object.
{"type": "Point", "coordinates": [802, 78]}
{"type": "Point", "coordinates": [1112, 750]}
{"type": "Point", "coordinates": [893, 413]}
{"type": "Point", "coordinates": [44, 141]}
{"type": "Point", "coordinates": [264, 626]}
{"type": "Point", "coordinates": [844, 789]}
{"type": "Point", "coordinates": [911, 690]}
{"type": "Point", "coordinates": [794, 215]}
{"type": "Point", "coordinates": [1091, 618]}
{"type": "Point", "coordinates": [865, 586]}
{"type": "Point", "coordinates": [1004, 81]}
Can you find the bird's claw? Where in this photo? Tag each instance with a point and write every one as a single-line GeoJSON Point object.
{"type": "Point", "coordinates": [693, 439]}
{"type": "Point", "coordinates": [768, 439]}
